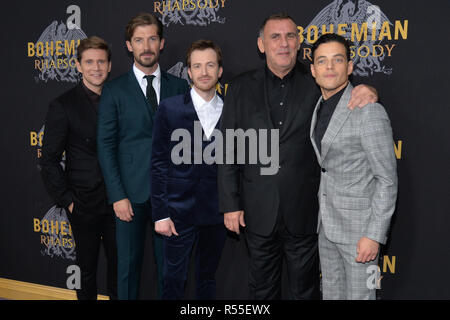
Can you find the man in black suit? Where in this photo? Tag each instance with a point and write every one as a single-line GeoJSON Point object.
{"type": "Point", "coordinates": [70, 126]}
{"type": "Point", "coordinates": [280, 209]}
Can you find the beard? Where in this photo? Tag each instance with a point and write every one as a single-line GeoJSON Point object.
{"type": "Point", "coordinates": [147, 62]}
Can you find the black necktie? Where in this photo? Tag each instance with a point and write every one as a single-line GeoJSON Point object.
{"type": "Point", "coordinates": [151, 94]}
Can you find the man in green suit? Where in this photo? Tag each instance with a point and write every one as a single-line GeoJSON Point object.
{"type": "Point", "coordinates": [124, 136]}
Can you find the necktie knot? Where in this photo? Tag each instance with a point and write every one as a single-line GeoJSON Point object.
{"type": "Point", "coordinates": [150, 78]}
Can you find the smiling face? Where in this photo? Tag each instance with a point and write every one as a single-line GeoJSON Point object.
{"type": "Point", "coordinates": [280, 42]}
{"type": "Point", "coordinates": [94, 66]}
{"type": "Point", "coordinates": [331, 68]}
{"type": "Point", "coordinates": [145, 44]}
{"type": "Point", "coordinates": [204, 70]}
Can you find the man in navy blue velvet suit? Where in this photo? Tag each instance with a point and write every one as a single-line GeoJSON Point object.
{"type": "Point", "coordinates": [184, 189]}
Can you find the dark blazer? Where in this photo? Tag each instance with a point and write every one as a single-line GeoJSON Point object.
{"type": "Point", "coordinates": [184, 192]}
{"type": "Point", "coordinates": [124, 135]}
{"type": "Point", "coordinates": [70, 126]}
{"type": "Point", "coordinates": [291, 192]}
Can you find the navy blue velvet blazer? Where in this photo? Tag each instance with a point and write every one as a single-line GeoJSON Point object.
{"type": "Point", "coordinates": [185, 192]}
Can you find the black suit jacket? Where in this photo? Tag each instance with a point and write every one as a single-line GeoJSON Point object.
{"type": "Point", "coordinates": [291, 192]}
{"type": "Point", "coordinates": [71, 126]}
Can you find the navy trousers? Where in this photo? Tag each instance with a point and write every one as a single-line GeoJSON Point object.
{"type": "Point", "coordinates": [176, 256]}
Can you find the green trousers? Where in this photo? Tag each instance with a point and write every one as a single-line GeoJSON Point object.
{"type": "Point", "coordinates": [130, 252]}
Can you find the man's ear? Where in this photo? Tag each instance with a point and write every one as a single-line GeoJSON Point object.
{"type": "Point", "coordinates": [130, 48]}
{"type": "Point", "coordinates": [350, 68]}
{"type": "Point", "coordinates": [299, 44]}
{"type": "Point", "coordinates": [161, 45]}
{"type": "Point", "coordinates": [313, 71]}
{"type": "Point", "coordinates": [261, 45]}
{"type": "Point", "coordinates": [77, 63]}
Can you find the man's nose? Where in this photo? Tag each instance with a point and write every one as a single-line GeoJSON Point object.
{"type": "Point", "coordinates": [146, 45]}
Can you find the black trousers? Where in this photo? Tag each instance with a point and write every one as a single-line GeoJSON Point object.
{"type": "Point", "coordinates": [266, 261]}
{"type": "Point", "coordinates": [90, 229]}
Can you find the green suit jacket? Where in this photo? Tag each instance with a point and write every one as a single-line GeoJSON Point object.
{"type": "Point", "coordinates": [124, 135]}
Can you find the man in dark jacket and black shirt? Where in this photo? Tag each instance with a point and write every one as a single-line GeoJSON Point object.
{"type": "Point", "coordinates": [70, 126]}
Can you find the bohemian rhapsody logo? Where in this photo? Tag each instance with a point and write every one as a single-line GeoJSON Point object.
{"type": "Point", "coordinates": [365, 25]}
{"type": "Point", "coordinates": [189, 12]}
{"type": "Point", "coordinates": [56, 234]}
{"type": "Point", "coordinates": [55, 51]}
{"type": "Point", "coordinates": [36, 139]}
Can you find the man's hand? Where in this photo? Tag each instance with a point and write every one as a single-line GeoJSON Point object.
{"type": "Point", "coordinates": [166, 227]}
{"type": "Point", "coordinates": [123, 210]}
{"type": "Point", "coordinates": [70, 207]}
{"type": "Point", "coordinates": [362, 95]}
{"type": "Point", "coordinates": [233, 220]}
{"type": "Point", "coordinates": [367, 250]}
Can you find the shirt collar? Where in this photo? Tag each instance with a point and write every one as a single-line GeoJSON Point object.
{"type": "Point", "coordinates": [93, 96]}
{"type": "Point", "coordinates": [140, 75]}
{"type": "Point", "coordinates": [275, 77]}
{"type": "Point", "coordinates": [197, 100]}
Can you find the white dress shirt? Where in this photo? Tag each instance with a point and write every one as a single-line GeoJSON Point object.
{"type": "Point", "coordinates": [143, 81]}
{"type": "Point", "coordinates": [208, 112]}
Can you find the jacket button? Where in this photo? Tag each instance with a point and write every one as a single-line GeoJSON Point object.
{"type": "Point", "coordinates": [324, 170]}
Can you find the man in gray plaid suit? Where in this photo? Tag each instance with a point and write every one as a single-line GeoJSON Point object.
{"type": "Point", "coordinates": [358, 186]}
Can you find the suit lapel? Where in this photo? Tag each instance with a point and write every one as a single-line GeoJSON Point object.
{"type": "Point", "coordinates": [262, 76]}
{"type": "Point", "coordinates": [165, 86]}
{"type": "Point", "coordinates": [338, 119]}
{"type": "Point", "coordinates": [137, 91]}
{"type": "Point", "coordinates": [312, 130]}
{"type": "Point", "coordinates": [190, 114]}
{"type": "Point", "coordinates": [220, 118]}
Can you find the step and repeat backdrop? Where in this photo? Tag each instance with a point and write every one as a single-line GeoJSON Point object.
{"type": "Point", "coordinates": [399, 47]}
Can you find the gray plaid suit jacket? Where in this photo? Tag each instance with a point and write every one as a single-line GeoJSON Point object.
{"type": "Point", "coordinates": [358, 186]}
